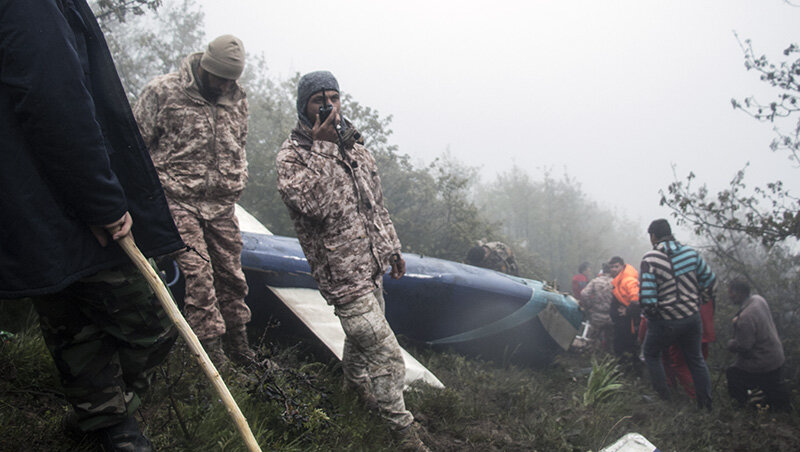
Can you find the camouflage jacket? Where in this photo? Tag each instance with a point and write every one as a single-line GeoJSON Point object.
{"type": "Point", "coordinates": [596, 299]}
{"type": "Point", "coordinates": [337, 208]}
{"type": "Point", "coordinates": [500, 257]}
{"type": "Point", "coordinates": [198, 148]}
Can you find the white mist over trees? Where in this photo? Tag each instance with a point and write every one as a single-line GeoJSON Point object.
{"type": "Point", "coordinates": [440, 209]}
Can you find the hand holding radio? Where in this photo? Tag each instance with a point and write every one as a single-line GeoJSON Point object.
{"type": "Point", "coordinates": [324, 127]}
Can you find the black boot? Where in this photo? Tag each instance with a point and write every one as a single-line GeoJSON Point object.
{"type": "Point", "coordinates": [213, 348]}
{"type": "Point", "coordinates": [124, 437]}
{"type": "Point", "coordinates": [238, 347]}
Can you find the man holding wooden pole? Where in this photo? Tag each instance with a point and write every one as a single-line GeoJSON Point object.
{"type": "Point", "coordinates": [74, 174]}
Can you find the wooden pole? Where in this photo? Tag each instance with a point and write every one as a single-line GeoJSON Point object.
{"type": "Point", "coordinates": [174, 314]}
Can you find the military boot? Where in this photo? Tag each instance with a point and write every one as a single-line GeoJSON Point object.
{"type": "Point", "coordinates": [238, 348]}
{"type": "Point", "coordinates": [124, 437]}
{"type": "Point", "coordinates": [408, 439]}
{"type": "Point", "coordinates": [213, 348]}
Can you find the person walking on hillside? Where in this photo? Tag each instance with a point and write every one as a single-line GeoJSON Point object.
{"type": "Point", "coordinates": [759, 352]}
{"type": "Point", "coordinates": [493, 255]}
{"type": "Point", "coordinates": [194, 122]}
{"type": "Point", "coordinates": [75, 175]}
{"type": "Point", "coordinates": [330, 184]}
{"type": "Point", "coordinates": [675, 282]}
{"type": "Point", "coordinates": [624, 309]}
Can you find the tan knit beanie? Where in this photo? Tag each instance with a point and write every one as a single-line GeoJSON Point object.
{"type": "Point", "coordinates": [224, 57]}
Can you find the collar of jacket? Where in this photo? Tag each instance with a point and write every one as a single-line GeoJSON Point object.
{"type": "Point", "coordinates": [745, 304]}
{"type": "Point", "coordinates": [667, 247]}
{"type": "Point", "coordinates": [190, 84]}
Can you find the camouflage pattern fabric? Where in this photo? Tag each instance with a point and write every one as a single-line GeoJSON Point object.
{"type": "Point", "coordinates": [596, 299]}
{"type": "Point", "coordinates": [372, 357]}
{"type": "Point", "coordinates": [336, 204]}
{"type": "Point", "coordinates": [500, 257]}
{"type": "Point", "coordinates": [215, 290]}
{"type": "Point", "coordinates": [106, 333]}
{"type": "Point", "coordinates": [198, 148]}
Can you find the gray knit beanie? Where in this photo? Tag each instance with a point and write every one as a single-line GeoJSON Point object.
{"type": "Point", "coordinates": [224, 57]}
{"type": "Point", "coordinates": [310, 84]}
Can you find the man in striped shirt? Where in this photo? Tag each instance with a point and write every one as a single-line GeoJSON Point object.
{"type": "Point", "coordinates": [674, 282]}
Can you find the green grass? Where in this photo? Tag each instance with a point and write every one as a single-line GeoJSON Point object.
{"type": "Point", "coordinates": [564, 407]}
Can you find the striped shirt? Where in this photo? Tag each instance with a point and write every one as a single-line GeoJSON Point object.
{"type": "Point", "coordinates": [672, 278]}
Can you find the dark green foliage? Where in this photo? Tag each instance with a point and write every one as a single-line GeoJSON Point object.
{"type": "Point", "coordinates": [303, 408]}
{"type": "Point", "coordinates": [604, 382]}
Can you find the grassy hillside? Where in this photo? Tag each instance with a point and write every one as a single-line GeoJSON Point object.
{"type": "Point", "coordinates": [485, 407]}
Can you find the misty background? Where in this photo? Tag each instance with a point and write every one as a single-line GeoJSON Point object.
{"type": "Point", "coordinates": [556, 127]}
{"type": "Point", "coordinates": [612, 93]}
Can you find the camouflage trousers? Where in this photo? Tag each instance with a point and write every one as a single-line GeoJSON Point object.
{"type": "Point", "coordinates": [215, 290]}
{"type": "Point", "coordinates": [372, 357]}
{"type": "Point", "coordinates": [106, 333]}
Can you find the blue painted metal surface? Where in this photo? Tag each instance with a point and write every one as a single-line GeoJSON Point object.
{"type": "Point", "coordinates": [439, 302]}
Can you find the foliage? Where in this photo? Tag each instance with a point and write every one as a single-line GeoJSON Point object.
{"type": "Point", "coordinates": [735, 209]}
{"type": "Point", "coordinates": [433, 206]}
{"type": "Point", "coordinates": [430, 206]}
{"type": "Point", "coordinates": [753, 231]}
{"type": "Point", "coordinates": [303, 406]}
{"type": "Point", "coordinates": [785, 76]}
{"type": "Point", "coordinates": [769, 213]}
{"type": "Point", "coordinates": [145, 47]}
{"type": "Point", "coordinates": [272, 117]}
{"type": "Point", "coordinates": [604, 382]}
{"type": "Point", "coordinates": [119, 9]}
{"type": "Point", "coordinates": [772, 273]}
{"type": "Point", "coordinates": [558, 225]}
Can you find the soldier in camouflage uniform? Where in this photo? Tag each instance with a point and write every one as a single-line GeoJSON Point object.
{"type": "Point", "coordinates": [75, 174]}
{"type": "Point", "coordinates": [596, 299]}
{"type": "Point", "coordinates": [329, 181]}
{"type": "Point", "coordinates": [493, 255]}
{"type": "Point", "coordinates": [195, 124]}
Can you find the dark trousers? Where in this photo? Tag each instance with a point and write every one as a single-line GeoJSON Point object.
{"type": "Point", "coordinates": [687, 334]}
{"type": "Point", "coordinates": [106, 333]}
{"type": "Point", "coordinates": [624, 338]}
{"type": "Point", "coordinates": [776, 393]}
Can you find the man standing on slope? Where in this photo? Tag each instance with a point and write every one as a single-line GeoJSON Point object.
{"type": "Point", "coordinates": [624, 308]}
{"type": "Point", "coordinates": [675, 282]}
{"type": "Point", "coordinates": [74, 174]}
{"type": "Point", "coordinates": [330, 184]}
{"type": "Point", "coordinates": [195, 124]}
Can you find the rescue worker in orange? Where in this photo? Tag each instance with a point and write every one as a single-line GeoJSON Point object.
{"type": "Point", "coordinates": [624, 307]}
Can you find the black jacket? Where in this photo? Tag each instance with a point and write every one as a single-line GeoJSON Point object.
{"type": "Point", "coordinates": [70, 152]}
